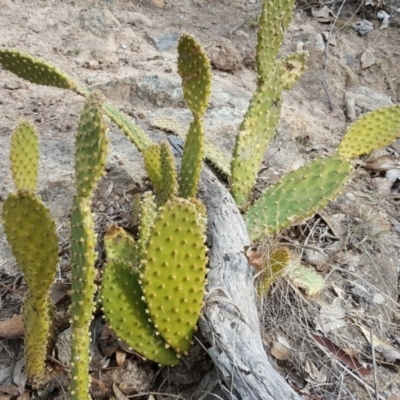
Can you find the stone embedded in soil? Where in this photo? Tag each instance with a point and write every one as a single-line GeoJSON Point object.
{"type": "Point", "coordinates": [165, 43]}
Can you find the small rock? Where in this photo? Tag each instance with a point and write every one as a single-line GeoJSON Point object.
{"type": "Point", "coordinates": [92, 64]}
{"type": "Point", "coordinates": [158, 3]}
{"type": "Point", "coordinates": [319, 42]}
{"type": "Point", "coordinates": [166, 42]}
{"type": "Point", "coordinates": [241, 33]}
{"type": "Point", "coordinates": [225, 57]}
{"type": "Point", "coordinates": [13, 85]}
{"type": "Point", "coordinates": [63, 347]}
{"type": "Point", "coordinates": [104, 56]}
{"type": "Point", "coordinates": [392, 175]}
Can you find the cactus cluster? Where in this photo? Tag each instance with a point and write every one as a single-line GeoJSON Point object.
{"type": "Point", "coordinates": [31, 232]}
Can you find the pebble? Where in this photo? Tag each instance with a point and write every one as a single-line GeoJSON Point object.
{"type": "Point", "coordinates": [158, 3]}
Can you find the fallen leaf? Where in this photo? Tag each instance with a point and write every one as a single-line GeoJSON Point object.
{"type": "Point", "coordinates": [323, 12]}
{"type": "Point", "coordinates": [351, 362]}
{"type": "Point", "coordinates": [118, 394]}
{"type": "Point", "coordinates": [19, 376]}
{"type": "Point", "coordinates": [334, 223]}
{"type": "Point", "coordinates": [390, 353]}
{"type": "Point", "coordinates": [255, 259]}
{"type": "Point", "coordinates": [12, 328]}
{"type": "Point", "coordinates": [367, 59]}
{"type": "Point", "coordinates": [317, 375]}
{"type": "Point", "coordinates": [381, 164]}
{"type": "Point", "coordinates": [331, 316]}
{"type": "Point", "coordinates": [281, 349]}
{"type": "Point", "coordinates": [9, 389]}
{"type": "Point", "coordinates": [332, 40]}
{"type": "Point", "coordinates": [120, 356]}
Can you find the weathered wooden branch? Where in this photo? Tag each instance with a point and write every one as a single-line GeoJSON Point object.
{"type": "Point", "coordinates": [230, 320]}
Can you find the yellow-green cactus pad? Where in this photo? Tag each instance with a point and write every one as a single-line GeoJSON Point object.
{"type": "Point", "coordinates": [37, 332]}
{"type": "Point", "coordinates": [274, 20]}
{"type": "Point", "coordinates": [294, 67]}
{"type": "Point", "coordinates": [195, 71]}
{"type": "Point", "coordinates": [148, 213]}
{"type": "Point", "coordinates": [279, 259]}
{"type": "Point", "coordinates": [169, 181]}
{"type": "Point", "coordinates": [31, 232]}
{"type": "Point", "coordinates": [192, 159]}
{"type": "Point", "coordinates": [152, 163]}
{"type": "Point", "coordinates": [215, 156]}
{"type": "Point", "coordinates": [371, 132]}
{"type": "Point", "coordinates": [120, 245]}
{"type": "Point", "coordinates": [90, 146]}
{"type": "Point", "coordinates": [34, 70]}
{"type": "Point", "coordinates": [174, 269]}
{"type": "Point", "coordinates": [305, 278]}
{"type": "Point", "coordinates": [297, 196]}
{"type": "Point", "coordinates": [131, 130]}
{"type": "Point", "coordinates": [83, 272]}
{"type": "Point", "coordinates": [126, 313]}
{"type": "Point", "coordinates": [256, 131]}
{"type": "Point", "coordinates": [24, 156]}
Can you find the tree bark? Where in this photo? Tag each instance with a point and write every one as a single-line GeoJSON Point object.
{"type": "Point", "coordinates": [229, 320]}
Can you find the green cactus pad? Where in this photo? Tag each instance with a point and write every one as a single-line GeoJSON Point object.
{"type": "Point", "coordinates": [297, 196]}
{"type": "Point", "coordinates": [212, 154]}
{"type": "Point", "coordinates": [24, 156]}
{"type": "Point", "coordinates": [148, 213]}
{"type": "Point", "coordinates": [83, 272]}
{"type": "Point", "coordinates": [120, 245]}
{"type": "Point", "coordinates": [131, 130]}
{"type": "Point", "coordinates": [32, 235]}
{"type": "Point", "coordinates": [256, 131]}
{"type": "Point", "coordinates": [169, 182]}
{"type": "Point", "coordinates": [90, 146]}
{"type": "Point", "coordinates": [294, 67]}
{"type": "Point", "coordinates": [34, 70]}
{"type": "Point", "coordinates": [36, 338]}
{"type": "Point", "coordinates": [152, 163]}
{"type": "Point", "coordinates": [192, 160]}
{"type": "Point", "coordinates": [174, 269]}
{"type": "Point", "coordinates": [125, 312]}
{"type": "Point", "coordinates": [274, 20]}
{"type": "Point", "coordinates": [371, 132]}
{"type": "Point", "coordinates": [195, 71]}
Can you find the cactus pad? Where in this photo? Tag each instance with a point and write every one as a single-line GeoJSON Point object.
{"type": "Point", "coordinates": [82, 291]}
{"type": "Point", "coordinates": [32, 235]}
{"type": "Point", "coordinates": [174, 269]}
{"type": "Point", "coordinates": [148, 213]}
{"type": "Point", "coordinates": [24, 155]}
{"type": "Point", "coordinates": [152, 163]}
{"type": "Point", "coordinates": [192, 159]}
{"type": "Point", "coordinates": [34, 70]}
{"type": "Point", "coordinates": [119, 245]}
{"type": "Point", "coordinates": [126, 313]}
{"type": "Point", "coordinates": [195, 71]}
{"type": "Point", "coordinates": [294, 67]}
{"type": "Point", "coordinates": [131, 130]}
{"type": "Point", "coordinates": [297, 196]}
{"type": "Point", "coordinates": [274, 20]}
{"type": "Point", "coordinates": [370, 132]}
{"type": "Point", "coordinates": [90, 146]}
{"type": "Point", "coordinates": [256, 131]}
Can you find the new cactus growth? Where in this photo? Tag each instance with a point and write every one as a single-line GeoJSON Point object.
{"type": "Point", "coordinates": [24, 156]}
{"type": "Point", "coordinates": [31, 232]}
{"type": "Point", "coordinates": [298, 195]}
{"type": "Point", "coordinates": [119, 245]}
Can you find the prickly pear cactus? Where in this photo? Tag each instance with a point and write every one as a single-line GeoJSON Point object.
{"type": "Point", "coordinates": [90, 146]}
{"type": "Point", "coordinates": [31, 232]}
{"type": "Point", "coordinates": [24, 156]}
{"type": "Point", "coordinates": [195, 71]}
{"type": "Point", "coordinates": [83, 272]}
{"type": "Point", "coordinates": [119, 245]}
{"type": "Point", "coordinates": [34, 70]}
{"type": "Point", "coordinates": [173, 272]}
{"type": "Point", "coordinates": [126, 313]}
{"type": "Point", "coordinates": [294, 67]}
{"type": "Point", "coordinates": [297, 196]}
{"type": "Point", "coordinates": [371, 132]}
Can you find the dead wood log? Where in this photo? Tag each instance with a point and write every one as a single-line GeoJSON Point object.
{"type": "Point", "coordinates": [229, 320]}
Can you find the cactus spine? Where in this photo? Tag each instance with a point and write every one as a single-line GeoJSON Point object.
{"type": "Point", "coordinates": [90, 157]}
{"type": "Point", "coordinates": [31, 232]}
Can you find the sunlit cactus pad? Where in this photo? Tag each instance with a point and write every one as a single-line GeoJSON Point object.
{"type": "Point", "coordinates": [90, 146]}
{"type": "Point", "coordinates": [127, 315]}
{"type": "Point", "coordinates": [32, 235]}
{"type": "Point", "coordinates": [34, 70]}
{"type": "Point", "coordinates": [371, 132]}
{"type": "Point", "coordinates": [174, 269]}
{"type": "Point", "coordinates": [24, 156]}
{"type": "Point", "coordinates": [297, 196]}
{"type": "Point", "coordinates": [195, 71]}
